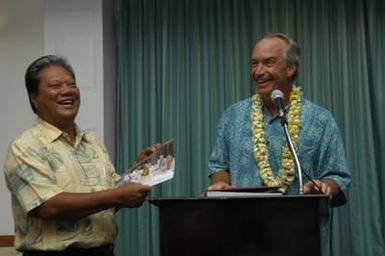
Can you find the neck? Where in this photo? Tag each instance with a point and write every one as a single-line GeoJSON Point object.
{"type": "Point", "coordinates": [71, 133]}
{"type": "Point", "coordinates": [70, 129]}
{"type": "Point", "coordinates": [66, 127]}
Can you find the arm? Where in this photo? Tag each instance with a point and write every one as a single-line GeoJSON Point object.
{"type": "Point", "coordinates": [43, 198]}
{"type": "Point", "coordinates": [334, 176]}
{"type": "Point", "coordinates": [219, 169]}
{"type": "Point", "coordinates": [77, 205]}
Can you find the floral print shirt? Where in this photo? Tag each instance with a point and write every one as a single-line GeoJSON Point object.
{"type": "Point", "coordinates": [42, 163]}
{"type": "Point", "coordinates": [320, 148]}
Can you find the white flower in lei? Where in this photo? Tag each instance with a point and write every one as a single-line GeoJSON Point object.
{"type": "Point", "coordinates": [285, 175]}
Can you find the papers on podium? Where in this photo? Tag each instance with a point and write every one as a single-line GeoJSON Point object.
{"type": "Point", "coordinates": [243, 192]}
{"type": "Point", "coordinates": [154, 169]}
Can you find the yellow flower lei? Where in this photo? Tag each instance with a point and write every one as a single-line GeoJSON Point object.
{"type": "Point", "coordinates": [286, 173]}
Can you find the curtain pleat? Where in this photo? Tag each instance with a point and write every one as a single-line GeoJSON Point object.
{"type": "Point", "coordinates": [181, 63]}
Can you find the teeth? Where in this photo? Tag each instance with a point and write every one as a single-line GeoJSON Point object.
{"type": "Point", "coordinates": [261, 80]}
{"type": "Point", "coordinates": [67, 102]}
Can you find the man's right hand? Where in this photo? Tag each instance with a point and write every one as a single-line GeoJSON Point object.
{"type": "Point", "coordinates": [220, 180]}
{"type": "Point", "coordinates": [78, 205]}
{"type": "Point", "coordinates": [132, 195]}
{"type": "Point", "coordinates": [219, 185]}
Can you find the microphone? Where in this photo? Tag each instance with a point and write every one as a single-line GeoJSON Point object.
{"type": "Point", "coordinates": [277, 98]}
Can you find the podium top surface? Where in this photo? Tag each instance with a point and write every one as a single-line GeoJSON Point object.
{"type": "Point", "coordinates": [159, 201]}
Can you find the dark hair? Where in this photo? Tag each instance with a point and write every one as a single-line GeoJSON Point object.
{"type": "Point", "coordinates": [292, 51]}
{"type": "Point", "coordinates": [32, 75]}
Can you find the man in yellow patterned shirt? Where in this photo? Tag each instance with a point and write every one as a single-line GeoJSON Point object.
{"type": "Point", "coordinates": [62, 181]}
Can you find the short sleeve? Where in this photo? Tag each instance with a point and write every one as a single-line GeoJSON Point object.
{"type": "Point", "coordinates": [332, 161]}
{"type": "Point", "coordinates": [219, 157]}
{"type": "Point", "coordinates": [29, 176]}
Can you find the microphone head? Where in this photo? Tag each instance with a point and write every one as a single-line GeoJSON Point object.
{"type": "Point", "coordinates": [276, 94]}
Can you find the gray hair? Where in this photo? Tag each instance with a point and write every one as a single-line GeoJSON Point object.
{"type": "Point", "coordinates": [292, 51]}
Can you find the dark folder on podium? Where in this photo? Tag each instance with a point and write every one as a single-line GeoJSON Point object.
{"type": "Point", "coordinates": [263, 226]}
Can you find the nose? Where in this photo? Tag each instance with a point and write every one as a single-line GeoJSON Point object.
{"type": "Point", "coordinates": [258, 70]}
{"type": "Point", "coordinates": [68, 88]}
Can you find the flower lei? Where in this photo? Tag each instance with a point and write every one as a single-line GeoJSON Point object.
{"type": "Point", "coordinates": [286, 174]}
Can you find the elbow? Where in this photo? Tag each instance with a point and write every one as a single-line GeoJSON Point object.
{"type": "Point", "coordinates": [43, 212]}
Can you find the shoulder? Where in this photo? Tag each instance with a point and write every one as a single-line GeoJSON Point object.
{"type": "Point", "coordinates": [90, 136]}
{"type": "Point", "coordinates": [239, 107]}
{"type": "Point", "coordinates": [28, 145]}
{"type": "Point", "coordinates": [316, 112]}
{"type": "Point", "coordinates": [31, 137]}
{"type": "Point", "coordinates": [235, 118]}
{"type": "Point", "coordinates": [317, 117]}
{"type": "Point", "coordinates": [94, 140]}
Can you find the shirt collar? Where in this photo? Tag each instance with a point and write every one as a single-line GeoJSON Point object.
{"type": "Point", "coordinates": [52, 133]}
{"type": "Point", "coordinates": [271, 118]}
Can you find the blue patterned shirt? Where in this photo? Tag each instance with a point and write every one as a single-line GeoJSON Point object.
{"type": "Point", "coordinates": [320, 148]}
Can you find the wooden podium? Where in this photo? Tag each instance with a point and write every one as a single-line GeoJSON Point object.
{"type": "Point", "coordinates": [263, 226]}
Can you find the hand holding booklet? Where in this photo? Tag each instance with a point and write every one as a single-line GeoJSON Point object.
{"type": "Point", "coordinates": [156, 168]}
{"type": "Point", "coordinates": [243, 192]}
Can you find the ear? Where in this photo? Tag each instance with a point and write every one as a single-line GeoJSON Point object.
{"type": "Point", "coordinates": [33, 100]}
{"type": "Point", "coordinates": [291, 70]}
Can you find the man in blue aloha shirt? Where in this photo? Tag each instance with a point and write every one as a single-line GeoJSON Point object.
{"type": "Point", "coordinates": [250, 148]}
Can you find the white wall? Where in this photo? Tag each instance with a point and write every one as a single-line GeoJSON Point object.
{"type": "Point", "coordinates": [75, 29]}
{"type": "Point", "coordinates": [21, 40]}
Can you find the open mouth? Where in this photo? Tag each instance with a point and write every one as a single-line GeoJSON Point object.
{"type": "Point", "coordinates": [67, 103]}
{"type": "Point", "coordinates": [262, 82]}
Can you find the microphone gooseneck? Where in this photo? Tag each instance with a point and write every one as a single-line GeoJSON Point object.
{"type": "Point", "coordinates": [277, 98]}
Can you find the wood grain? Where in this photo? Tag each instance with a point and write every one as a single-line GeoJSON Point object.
{"type": "Point", "coordinates": [6, 241]}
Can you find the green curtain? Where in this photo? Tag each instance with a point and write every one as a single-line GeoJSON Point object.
{"type": "Point", "coordinates": [182, 62]}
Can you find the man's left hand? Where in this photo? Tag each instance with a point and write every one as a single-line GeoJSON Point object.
{"type": "Point", "coordinates": [147, 151]}
{"type": "Point", "coordinates": [325, 186]}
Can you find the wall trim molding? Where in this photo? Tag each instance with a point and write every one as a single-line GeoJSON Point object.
{"type": "Point", "coordinates": [7, 241]}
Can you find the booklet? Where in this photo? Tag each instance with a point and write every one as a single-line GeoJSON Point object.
{"type": "Point", "coordinates": [154, 169]}
{"type": "Point", "coordinates": [243, 192]}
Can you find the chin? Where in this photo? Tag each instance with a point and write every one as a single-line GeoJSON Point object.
{"type": "Point", "coordinates": [69, 116]}
{"type": "Point", "coordinates": [266, 90]}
